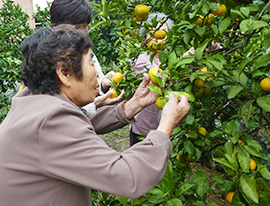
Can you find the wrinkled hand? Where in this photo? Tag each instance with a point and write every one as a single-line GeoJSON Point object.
{"type": "Point", "coordinates": [106, 82]}
{"type": "Point", "coordinates": [104, 99]}
{"type": "Point", "coordinates": [143, 97]}
{"type": "Point", "coordinates": [174, 112]}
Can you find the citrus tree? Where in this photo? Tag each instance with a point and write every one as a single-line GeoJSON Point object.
{"type": "Point", "coordinates": [14, 27]}
{"type": "Point", "coordinates": [225, 74]}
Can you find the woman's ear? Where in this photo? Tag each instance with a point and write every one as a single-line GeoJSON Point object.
{"type": "Point", "coordinates": [63, 76]}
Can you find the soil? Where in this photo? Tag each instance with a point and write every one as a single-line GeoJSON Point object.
{"type": "Point", "coordinates": [119, 141]}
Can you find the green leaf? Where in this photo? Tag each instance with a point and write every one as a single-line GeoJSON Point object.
{"type": "Point", "coordinates": [223, 161]}
{"type": "Point", "coordinates": [173, 59]}
{"type": "Point", "coordinates": [224, 25]}
{"type": "Point", "coordinates": [154, 195]}
{"type": "Point", "coordinates": [225, 186]}
{"type": "Point", "coordinates": [253, 151]}
{"type": "Point", "coordinates": [163, 56]}
{"type": "Point", "coordinates": [245, 11]}
{"type": "Point", "coordinates": [184, 188]}
{"type": "Point", "coordinates": [238, 12]}
{"type": "Point", "coordinates": [249, 188]}
{"type": "Point", "coordinates": [200, 30]}
{"type": "Point", "coordinates": [232, 126]}
{"type": "Point", "coordinates": [266, 42]}
{"type": "Point", "coordinates": [186, 60]}
{"type": "Point", "coordinates": [265, 173]}
{"type": "Point", "coordinates": [254, 144]}
{"type": "Point", "coordinates": [168, 179]}
{"type": "Point", "coordinates": [249, 25]}
{"type": "Point", "coordinates": [243, 159]}
{"type": "Point", "coordinates": [244, 62]}
{"type": "Point", "coordinates": [234, 90]}
{"type": "Point", "coordinates": [155, 89]}
{"type": "Point", "coordinates": [262, 61]}
{"type": "Point", "coordinates": [245, 112]}
{"type": "Point", "coordinates": [218, 178]}
{"type": "Point", "coordinates": [264, 102]}
{"type": "Point", "coordinates": [189, 147]}
{"type": "Point", "coordinates": [97, 24]}
{"type": "Point", "coordinates": [214, 83]}
{"type": "Point", "coordinates": [190, 96]}
{"type": "Point", "coordinates": [215, 28]}
{"type": "Point", "coordinates": [228, 146]}
{"type": "Point", "coordinates": [105, 8]}
{"type": "Point", "coordinates": [174, 202]}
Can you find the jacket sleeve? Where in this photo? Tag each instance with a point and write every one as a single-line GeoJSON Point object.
{"type": "Point", "coordinates": [109, 118]}
{"type": "Point", "coordinates": [71, 151]}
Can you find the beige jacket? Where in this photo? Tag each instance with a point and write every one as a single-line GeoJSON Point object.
{"type": "Point", "coordinates": [50, 154]}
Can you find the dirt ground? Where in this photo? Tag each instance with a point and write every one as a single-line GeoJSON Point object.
{"type": "Point", "coordinates": [119, 140]}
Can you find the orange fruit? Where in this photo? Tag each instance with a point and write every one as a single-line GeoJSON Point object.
{"type": "Point", "coordinates": [140, 19]}
{"type": "Point", "coordinates": [252, 164]}
{"type": "Point", "coordinates": [155, 71]}
{"type": "Point", "coordinates": [160, 34]}
{"type": "Point", "coordinates": [199, 83]}
{"type": "Point", "coordinates": [265, 84]}
{"type": "Point", "coordinates": [208, 20]}
{"type": "Point", "coordinates": [198, 94]}
{"type": "Point", "coordinates": [141, 11]}
{"type": "Point", "coordinates": [207, 91]}
{"type": "Point", "coordinates": [205, 70]}
{"type": "Point", "coordinates": [189, 158]}
{"type": "Point", "coordinates": [158, 103]}
{"type": "Point", "coordinates": [178, 158]}
{"type": "Point", "coordinates": [221, 9]}
{"type": "Point", "coordinates": [229, 197]}
{"type": "Point", "coordinates": [199, 20]}
{"type": "Point", "coordinates": [117, 77]}
{"type": "Point", "coordinates": [114, 94]}
{"type": "Point", "coordinates": [240, 142]}
{"type": "Point", "coordinates": [197, 105]}
{"type": "Point", "coordinates": [234, 151]}
{"type": "Point", "coordinates": [202, 131]}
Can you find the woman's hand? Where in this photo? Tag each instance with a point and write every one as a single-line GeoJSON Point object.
{"type": "Point", "coordinates": [142, 98]}
{"type": "Point", "coordinates": [174, 112]}
{"type": "Point", "coordinates": [106, 82]}
{"type": "Point", "coordinates": [104, 99]}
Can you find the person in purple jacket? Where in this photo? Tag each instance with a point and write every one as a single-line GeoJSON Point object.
{"type": "Point", "coordinates": [148, 118]}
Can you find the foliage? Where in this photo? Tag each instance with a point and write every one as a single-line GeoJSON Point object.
{"type": "Point", "coordinates": [233, 104]}
{"type": "Point", "coordinates": [42, 17]}
{"type": "Point", "coordinates": [14, 27]}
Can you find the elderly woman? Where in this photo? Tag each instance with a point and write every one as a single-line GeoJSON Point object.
{"type": "Point", "coordinates": [50, 153]}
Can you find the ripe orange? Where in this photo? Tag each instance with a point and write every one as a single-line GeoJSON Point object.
{"type": "Point", "coordinates": [202, 131]}
{"type": "Point", "coordinates": [229, 197]}
{"type": "Point", "coordinates": [221, 9]}
{"type": "Point", "coordinates": [158, 103]}
{"type": "Point", "coordinates": [265, 84]}
{"type": "Point", "coordinates": [140, 19]}
{"type": "Point", "coordinates": [155, 71]}
{"type": "Point", "coordinates": [252, 164]}
{"type": "Point", "coordinates": [208, 20]}
{"type": "Point", "coordinates": [199, 83]}
{"type": "Point", "coordinates": [141, 11]}
{"type": "Point", "coordinates": [240, 142]}
{"type": "Point", "coordinates": [178, 158]}
{"type": "Point", "coordinates": [114, 94]}
{"type": "Point", "coordinates": [234, 151]}
{"type": "Point", "coordinates": [199, 20]}
{"type": "Point", "coordinates": [117, 77]}
{"type": "Point", "coordinates": [205, 70]}
{"type": "Point", "coordinates": [160, 34]}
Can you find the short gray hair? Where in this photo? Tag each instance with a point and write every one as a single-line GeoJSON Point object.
{"type": "Point", "coordinates": [158, 16]}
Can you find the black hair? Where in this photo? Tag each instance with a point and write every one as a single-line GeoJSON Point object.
{"type": "Point", "coordinates": [45, 50]}
{"type": "Point", "coordinates": [70, 12]}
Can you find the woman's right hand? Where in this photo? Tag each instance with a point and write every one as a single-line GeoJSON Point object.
{"type": "Point", "coordinates": [174, 112]}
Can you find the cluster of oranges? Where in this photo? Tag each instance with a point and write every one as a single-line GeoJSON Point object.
{"type": "Point", "coordinates": [117, 78]}
{"type": "Point", "coordinates": [209, 19]}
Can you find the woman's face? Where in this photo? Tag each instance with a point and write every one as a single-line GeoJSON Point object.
{"type": "Point", "coordinates": [84, 91]}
